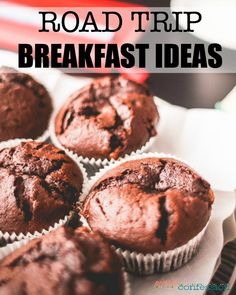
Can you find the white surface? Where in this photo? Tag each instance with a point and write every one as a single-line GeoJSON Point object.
{"type": "Point", "coordinates": [229, 102]}
{"type": "Point", "coordinates": [218, 19]}
{"type": "Point", "coordinates": [206, 139]}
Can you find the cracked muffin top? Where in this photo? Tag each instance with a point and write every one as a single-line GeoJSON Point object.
{"type": "Point", "coordinates": [25, 106]}
{"type": "Point", "coordinates": [107, 119]}
{"type": "Point", "coordinates": [65, 262]}
{"type": "Point", "coordinates": [39, 184]}
{"type": "Point", "coordinates": [149, 205]}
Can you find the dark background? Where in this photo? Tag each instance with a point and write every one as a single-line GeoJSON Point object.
{"type": "Point", "coordinates": [189, 90]}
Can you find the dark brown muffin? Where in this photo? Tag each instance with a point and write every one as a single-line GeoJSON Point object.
{"type": "Point", "coordinates": [149, 205]}
{"type": "Point", "coordinates": [65, 262]}
{"type": "Point", "coordinates": [25, 106]}
{"type": "Point", "coordinates": [106, 119]}
{"type": "Point", "coordinates": [39, 184]}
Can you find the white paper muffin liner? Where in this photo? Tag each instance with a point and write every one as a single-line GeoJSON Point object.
{"type": "Point", "coordinates": [127, 286]}
{"type": "Point", "coordinates": [10, 248]}
{"type": "Point", "coordinates": [42, 138]}
{"type": "Point", "coordinates": [95, 163]}
{"type": "Point", "coordinates": [6, 237]}
{"type": "Point", "coordinates": [147, 264]}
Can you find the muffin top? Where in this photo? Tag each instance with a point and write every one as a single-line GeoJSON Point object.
{"type": "Point", "coordinates": [106, 119]}
{"type": "Point", "coordinates": [39, 184]}
{"type": "Point", "coordinates": [149, 205]}
{"type": "Point", "coordinates": [65, 262]}
{"type": "Point", "coordinates": [25, 106]}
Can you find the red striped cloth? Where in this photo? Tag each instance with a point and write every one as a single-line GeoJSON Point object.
{"type": "Point", "coordinates": [18, 24]}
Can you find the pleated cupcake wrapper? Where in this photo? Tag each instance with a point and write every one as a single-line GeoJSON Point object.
{"type": "Point", "coordinates": [42, 138]}
{"type": "Point", "coordinates": [9, 238]}
{"type": "Point", "coordinates": [10, 248]}
{"type": "Point", "coordinates": [127, 286]}
{"type": "Point", "coordinates": [96, 164]}
{"type": "Point", "coordinates": [147, 264]}
{"type": "Point", "coordinates": [6, 237]}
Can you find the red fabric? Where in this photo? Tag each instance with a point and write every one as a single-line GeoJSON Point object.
{"type": "Point", "coordinates": [13, 33]}
{"type": "Point", "coordinates": [73, 3]}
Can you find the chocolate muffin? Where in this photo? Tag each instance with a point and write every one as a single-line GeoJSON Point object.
{"type": "Point", "coordinates": [65, 262]}
{"type": "Point", "coordinates": [25, 106]}
{"type": "Point", "coordinates": [107, 119]}
{"type": "Point", "coordinates": [149, 205]}
{"type": "Point", "coordinates": [39, 184]}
